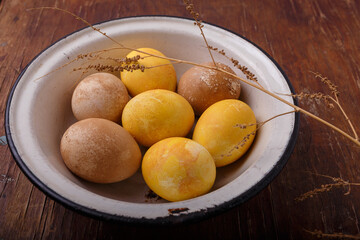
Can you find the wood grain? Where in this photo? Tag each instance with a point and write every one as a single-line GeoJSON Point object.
{"type": "Point", "coordinates": [302, 36]}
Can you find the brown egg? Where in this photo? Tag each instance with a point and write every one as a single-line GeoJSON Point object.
{"type": "Point", "coordinates": [99, 95]}
{"type": "Point", "coordinates": [100, 151]}
{"type": "Point", "coordinates": [202, 86]}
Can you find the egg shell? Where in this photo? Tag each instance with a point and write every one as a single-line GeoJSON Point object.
{"type": "Point", "coordinates": [99, 95]}
{"type": "Point", "coordinates": [157, 114]}
{"type": "Point", "coordinates": [202, 87]}
{"type": "Point", "coordinates": [178, 169]}
{"type": "Point", "coordinates": [159, 73]}
{"type": "Point", "coordinates": [100, 151]}
{"type": "Point", "coordinates": [226, 129]}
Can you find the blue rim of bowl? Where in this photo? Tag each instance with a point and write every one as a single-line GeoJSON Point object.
{"type": "Point", "coordinates": [160, 221]}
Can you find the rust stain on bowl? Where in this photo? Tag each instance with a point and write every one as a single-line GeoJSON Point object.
{"type": "Point", "coordinates": [150, 196]}
{"type": "Point", "coordinates": [173, 211]}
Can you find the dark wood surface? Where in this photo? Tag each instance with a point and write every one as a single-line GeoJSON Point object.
{"type": "Point", "coordinates": [301, 35]}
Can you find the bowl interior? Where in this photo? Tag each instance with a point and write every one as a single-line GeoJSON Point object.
{"type": "Point", "coordinates": [40, 112]}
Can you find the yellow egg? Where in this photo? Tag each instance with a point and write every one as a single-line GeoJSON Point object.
{"type": "Point", "coordinates": [226, 129]}
{"type": "Point", "coordinates": [99, 95]}
{"type": "Point", "coordinates": [100, 151]}
{"type": "Point", "coordinates": [157, 114]}
{"type": "Point", "coordinates": [161, 76]}
{"type": "Point", "coordinates": [178, 169]}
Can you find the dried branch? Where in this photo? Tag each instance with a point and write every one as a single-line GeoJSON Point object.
{"type": "Point", "coordinates": [247, 137]}
{"type": "Point", "coordinates": [198, 22]}
{"type": "Point", "coordinates": [335, 99]}
{"type": "Point", "coordinates": [337, 182]}
{"type": "Point", "coordinates": [249, 75]}
{"type": "Point", "coordinates": [246, 81]}
{"type": "Point", "coordinates": [320, 234]}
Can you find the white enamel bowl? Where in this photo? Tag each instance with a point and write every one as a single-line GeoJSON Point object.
{"type": "Point", "coordinates": [38, 112]}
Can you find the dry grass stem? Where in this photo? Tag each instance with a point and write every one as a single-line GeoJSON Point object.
{"type": "Point", "coordinates": [82, 20]}
{"type": "Point", "coordinates": [320, 234]}
{"type": "Point", "coordinates": [315, 96]}
{"type": "Point", "coordinates": [247, 137]}
{"type": "Point", "coordinates": [337, 183]}
{"type": "Point", "coordinates": [95, 55]}
{"type": "Point", "coordinates": [121, 46]}
{"type": "Point", "coordinates": [190, 8]}
{"type": "Point", "coordinates": [110, 68]}
{"type": "Point", "coordinates": [246, 81]}
{"type": "Point", "coordinates": [296, 108]}
{"type": "Point", "coordinates": [276, 116]}
{"type": "Point", "coordinates": [333, 88]}
{"type": "Point", "coordinates": [249, 75]}
{"type": "Point", "coordinates": [329, 101]}
{"type": "Point", "coordinates": [125, 64]}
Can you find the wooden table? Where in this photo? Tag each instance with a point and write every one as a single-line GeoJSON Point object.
{"type": "Point", "coordinates": [302, 36]}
